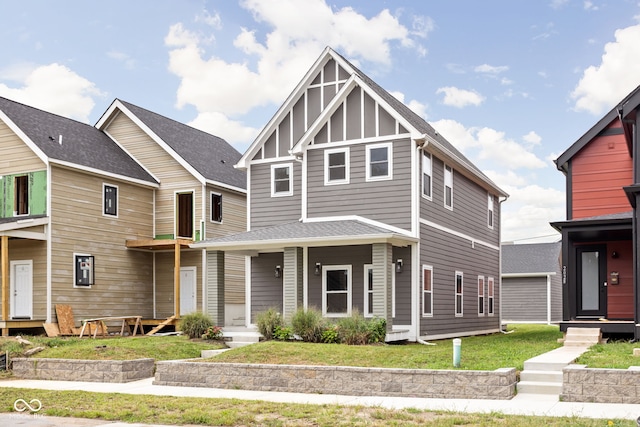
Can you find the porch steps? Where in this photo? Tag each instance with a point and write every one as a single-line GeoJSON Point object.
{"type": "Point", "coordinates": [164, 323]}
{"type": "Point", "coordinates": [240, 336]}
{"type": "Point", "coordinates": [543, 374]}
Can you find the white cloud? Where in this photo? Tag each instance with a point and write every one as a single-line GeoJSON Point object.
{"type": "Point", "coordinates": [491, 69]}
{"type": "Point", "coordinates": [54, 88]}
{"type": "Point", "coordinates": [232, 131]}
{"type": "Point", "coordinates": [213, 21]}
{"type": "Point", "coordinates": [460, 98]}
{"type": "Point", "coordinates": [128, 61]}
{"type": "Point", "coordinates": [588, 5]}
{"type": "Point", "coordinates": [602, 86]}
{"type": "Point", "coordinates": [416, 106]}
{"type": "Point", "coordinates": [532, 138]}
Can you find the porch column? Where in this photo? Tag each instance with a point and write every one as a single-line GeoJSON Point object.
{"type": "Point", "coordinates": [4, 260]}
{"type": "Point", "coordinates": [292, 281]}
{"type": "Point", "coordinates": [381, 254]}
{"type": "Point", "coordinates": [176, 280]}
{"type": "Point", "coordinates": [215, 286]}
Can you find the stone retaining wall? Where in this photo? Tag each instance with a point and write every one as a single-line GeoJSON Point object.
{"type": "Point", "coordinates": [111, 371]}
{"type": "Point", "coordinates": [353, 381]}
{"type": "Point", "coordinates": [581, 384]}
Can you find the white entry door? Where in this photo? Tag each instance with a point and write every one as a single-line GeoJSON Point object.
{"type": "Point", "coordinates": [21, 288]}
{"type": "Point", "coordinates": [187, 290]}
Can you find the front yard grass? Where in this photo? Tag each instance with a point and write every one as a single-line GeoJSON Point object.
{"type": "Point", "coordinates": [487, 352]}
{"type": "Point", "coordinates": [613, 355]}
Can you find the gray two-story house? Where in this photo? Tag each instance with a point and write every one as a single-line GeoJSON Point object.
{"type": "Point", "coordinates": [356, 203]}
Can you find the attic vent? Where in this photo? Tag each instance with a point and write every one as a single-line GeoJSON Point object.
{"type": "Point", "coordinates": [53, 139]}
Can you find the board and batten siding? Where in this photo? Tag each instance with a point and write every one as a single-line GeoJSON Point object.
{"type": "Point", "coordinates": [266, 289]}
{"type": "Point", "coordinates": [123, 277]}
{"type": "Point", "coordinates": [266, 210]}
{"type": "Point", "coordinates": [386, 201]}
{"type": "Point", "coordinates": [173, 177]}
{"type": "Point", "coordinates": [447, 254]}
{"type": "Point", "coordinates": [470, 206]}
{"type": "Point", "coordinates": [36, 252]}
{"type": "Point", "coordinates": [524, 299]}
{"type": "Point", "coordinates": [17, 157]}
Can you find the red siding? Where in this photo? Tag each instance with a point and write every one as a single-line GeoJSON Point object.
{"type": "Point", "coordinates": [598, 173]}
{"type": "Point", "coordinates": [620, 297]}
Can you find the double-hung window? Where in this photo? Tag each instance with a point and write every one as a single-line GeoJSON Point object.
{"type": "Point", "coordinates": [282, 180]}
{"type": "Point", "coordinates": [336, 290]}
{"type": "Point", "coordinates": [458, 294]}
{"type": "Point", "coordinates": [448, 187]}
{"type": "Point", "coordinates": [490, 296]}
{"type": "Point", "coordinates": [379, 160]}
{"type": "Point", "coordinates": [216, 207]}
{"type": "Point", "coordinates": [110, 200]}
{"type": "Point", "coordinates": [426, 175]}
{"type": "Point", "coordinates": [427, 290]}
{"type": "Point", "coordinates": [490, 211]}
{"type": "Point", "coordinates": [480, 295]}
{"type": "Point", "coordinates": [336, 169]}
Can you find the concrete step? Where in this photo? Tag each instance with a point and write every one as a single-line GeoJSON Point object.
{"type": "Point", "coordinates": [539, 387]}
{"type": "Point", "coordinates": [544, 365]}
{"type": "Point", "coordinates": [541, 376]}
{"type": "Point", "coordinates": [237, 344]}
{"type": "Point", "coordinates": [582, 336]}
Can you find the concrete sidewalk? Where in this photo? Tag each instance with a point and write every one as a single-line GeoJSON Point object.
{"type": "Point", "coordinates": [522, 404]}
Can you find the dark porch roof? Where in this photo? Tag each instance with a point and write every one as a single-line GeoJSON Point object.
{"type": "Point", "coordinates": [314, 233]}
{"type": "Point", "coordinates": [616, 226]}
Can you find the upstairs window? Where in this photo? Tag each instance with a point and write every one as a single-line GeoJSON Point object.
{"type": "Point", "coordinates": [21, 195]}
{"type": "Point", "coordinates": [490, 211]}
{"type": "Point", "coordinates": [426, 175]}
{"type": "Point", "coordinates": [216, 207]}
{"type": "Point", "coordinates": [480, 295]}
{"type": "Point", "coordinates": [458, 288]}
{"type": "Point", "coordinates": [379, 162]}
{"type": "Point", "coordinates": [336, 170]}
{"type": "Point", "coordinates": [448, 187]}
{"type": "Point", "coordinates": [109, 200]}
{"type": "Point", "coordinates": [282, 180]}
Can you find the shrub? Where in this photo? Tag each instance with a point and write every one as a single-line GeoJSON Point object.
{"type": "Point", "coordinates": [353, 330]}
{"type": "Point", "coordinates": [308, 324]}
{"type": "Point", "coordinates": [330, 334]}
{"type": "Point", "coordinates": [377, 330]}
{"type": "Point", "coordinates": [213, 333]}
{"type": "Point", "coordinates": [267, 322]}
{"type": "Point", "coordinates": [194, 325]}
{"type": "Point", "coordinates": [283, 333]}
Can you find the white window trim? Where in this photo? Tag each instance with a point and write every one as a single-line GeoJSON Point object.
{"type": "Point", "coordinates": [368, 267]}
{"type": "Point", "coordinates": [389, 147]}
{"type": "Point", "coordinates": [424, 313]}
{"type": "Point", "coordinates": [424, 155]}
{"type": "Point", "coordinates": [326, 268]}
{"type": "Point", "coordinates": [327, 181]}
{"type": "Point", "coordinates": [273, 182]}
{"type": "Point", "coordinates": [455, 290]}
{"type": "Point", "coordinates": [104, 186]}
{"type": "Point", "coordinates": [490, 297]}
{"type": "Point", "coordinates": [491, 218]}
{"type": "Point", "coordinates": [211, 194]}
{"type": "Point", "coordinates": [444, 201]}
{"type": "Point", "coordinates": [481, 297]}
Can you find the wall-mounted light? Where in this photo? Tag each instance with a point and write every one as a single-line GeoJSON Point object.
{"type": "Point", "coordinates": [615, 254]}
{"type": "Point", "coordinates": [278, 271]}
{"type": "Point", "coordinates": [399, 265]}
{"type": "Point", "coordinates": [318, 269]}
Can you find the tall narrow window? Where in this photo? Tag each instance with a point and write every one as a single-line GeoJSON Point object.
{"type": "Point", "coordinates": [480, 295]}
{"type": "Point", "coordinates": [426, 174]}
{"type": "Point", "coordinates": [110, 200]}
{"type": "Point", "coordinates": [336, 169]}
{"type": "Point", "coordinates": [458, 286]}
{"type": "Point", "coordinates": [490, 211]}
{"type": "Point", "coordinates": [379, 162]}
{"type": "Point", "coordinates": [21, 199]}
{"type": "Point", "coordinates": [427, 290]}
{"type": "Point", "coordinates": [448, 187]}
{"type": "Point", "coordinates": [281, 180]}
{"type": "Point", "coordinates": [336, 290]}
{"type": "Point", "coordinates": [368, 290]}
{"type": "Point", "coordinates": [216, 207]}
{"type": "Point", "coordinates": [490, 285]}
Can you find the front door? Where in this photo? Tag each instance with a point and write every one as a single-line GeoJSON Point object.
{"type": "Point", "coordinates": [21, 287]}
{"type": "Point", "coordinates": [187, 290]}
{"type": "Point", "coordinates": [592, 281]}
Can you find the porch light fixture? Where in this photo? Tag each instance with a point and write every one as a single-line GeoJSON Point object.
{"type": "Point", "coordinates": [614, 255]}
{"type": "Point", "coordinates": [399, 265]}
{"type": "Point", "coordinates": [318, 269]}
{"type": "Point", "coordinates": [278, 271]}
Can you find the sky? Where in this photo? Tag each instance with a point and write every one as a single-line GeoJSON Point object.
{"type": "Point", "coordinates": [511, 83]}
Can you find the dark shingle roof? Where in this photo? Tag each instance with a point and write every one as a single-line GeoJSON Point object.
{"type": "Point", "coordinates": [531, 258]}
{"type": "Point", "coordinates": [82, 144]}
{"type": "Point", "coordinates": [211, 156]}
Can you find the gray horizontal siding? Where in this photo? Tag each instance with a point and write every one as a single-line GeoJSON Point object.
{"type": "Point", "coordinates": [385, 201]}
{"type": "Point", "coordinates": [556, 297]}
{"type": "Point", "coordinates": [266, 210]}
{"type": "Point", "coordinates": [266, 289]}
{"type": "Point", "coordinates": [524, 299]}
{"type": "Point", "coordinates": [448, 254]}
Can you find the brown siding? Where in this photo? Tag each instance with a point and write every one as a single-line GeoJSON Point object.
{"type": "Point", "coordinates": [36, 251]}
{"type": "Point", "coordinates": [164, 280]}
{"type": "Point", "coordinates": [17, 157]}
{"type": "Point", "coordinates": [123, 278]}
